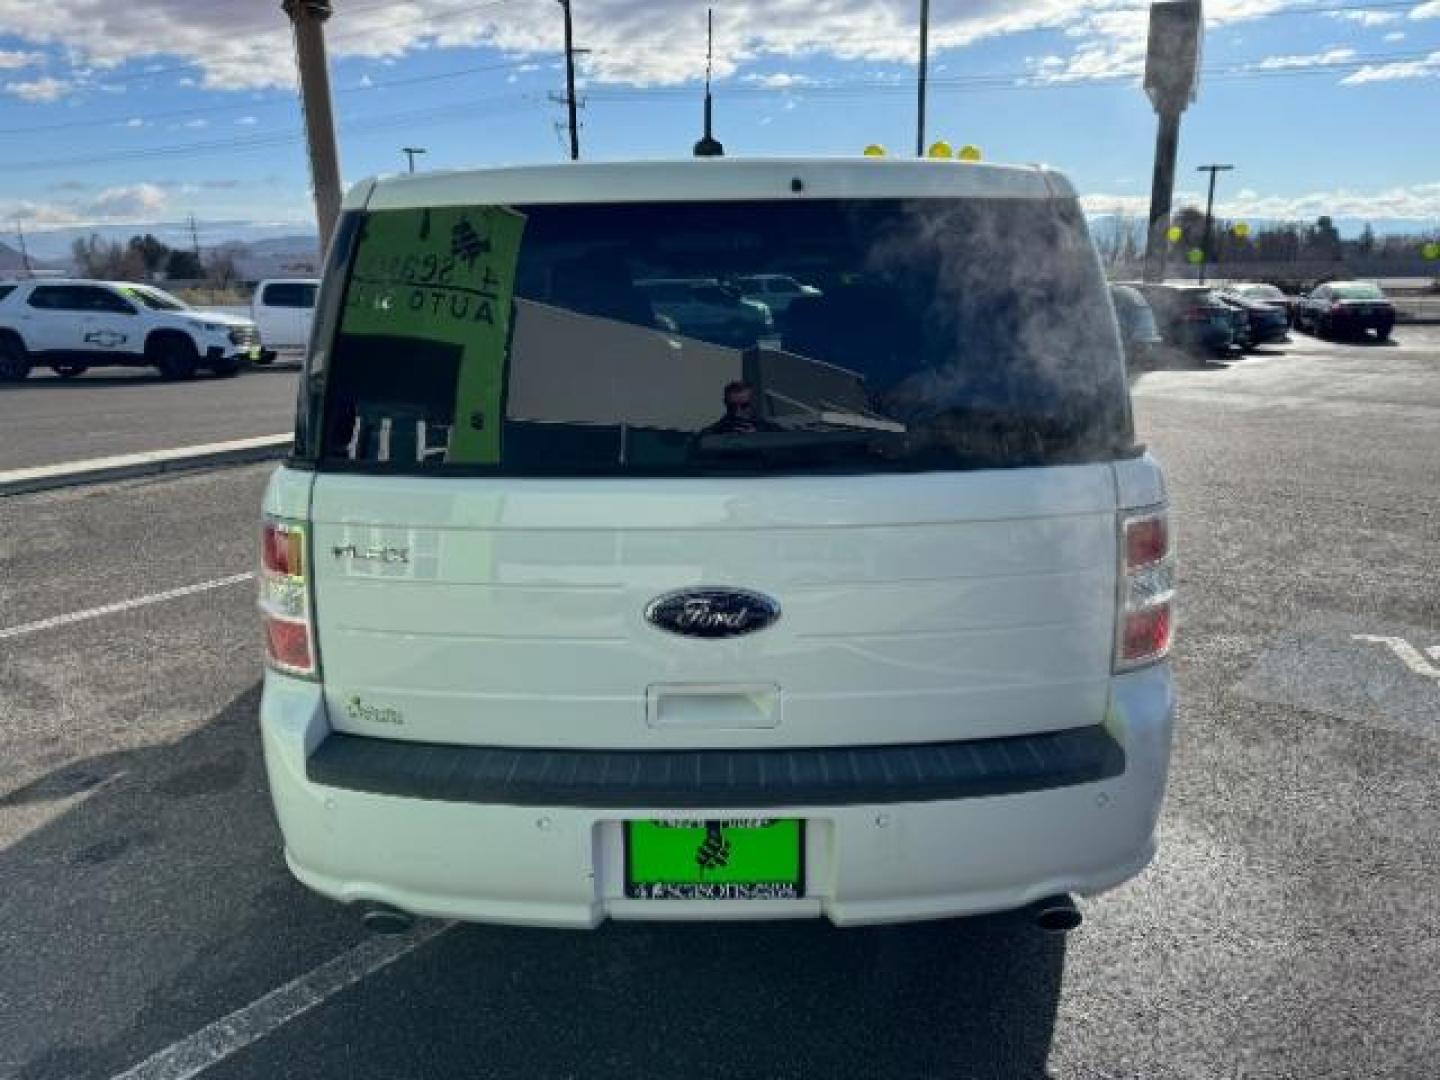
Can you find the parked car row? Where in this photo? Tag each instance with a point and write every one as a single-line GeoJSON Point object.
{"type": "Point", "coordinates": [1240, 316]}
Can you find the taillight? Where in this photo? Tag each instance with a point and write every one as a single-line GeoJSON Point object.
{"type": "Point", "coordinates": [1146, 622]}
{"type": "Point", "coordinates": [285, 599]}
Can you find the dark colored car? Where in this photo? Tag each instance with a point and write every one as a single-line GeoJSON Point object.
{"type": "Point", "coordinates": [1139, 332]}
{"type": "Point", "coordinates": [1346, 309]}
{"type": "Point", "coordinates": [1263, 293]}
{"type": "Point", "coordinates": [1263, 322]}
{"type": "Point", "coordinates": [1191, 316]}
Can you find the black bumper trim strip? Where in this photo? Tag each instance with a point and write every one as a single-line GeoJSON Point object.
{"type": "Point", "coordinates": [695, 779]}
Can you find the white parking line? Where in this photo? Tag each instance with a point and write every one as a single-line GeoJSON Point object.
{"type": "Point", "coordinates": [1409, 655]}
{"type": "Point", "coordinates": [123, 605]}
{"type": "Point", "coordinates": [230, 1034]}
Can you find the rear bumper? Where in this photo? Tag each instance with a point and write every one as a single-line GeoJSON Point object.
{"type": "Point", "coordinates": [866, 862]}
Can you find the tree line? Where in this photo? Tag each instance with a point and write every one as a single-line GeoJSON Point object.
{"type": "Point", "coordinates": [1273, 242]}
{"type": "Point", "coordinates": [148, 258]}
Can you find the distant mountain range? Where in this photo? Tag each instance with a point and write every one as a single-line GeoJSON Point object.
{"type": "Point", "coordinates": [12, 263]}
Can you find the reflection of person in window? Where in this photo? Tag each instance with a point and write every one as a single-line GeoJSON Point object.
{"type": "Point", "coordinates": [740, 414]}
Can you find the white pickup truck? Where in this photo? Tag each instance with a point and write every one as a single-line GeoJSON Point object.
{"type": "Point", "coordinates": [283, 309]}
{"type": "Point", "coordinates": [71, 326]}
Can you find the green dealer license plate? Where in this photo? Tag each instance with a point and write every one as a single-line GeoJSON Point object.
{"type": "Point", "coordinates": [724, 859]}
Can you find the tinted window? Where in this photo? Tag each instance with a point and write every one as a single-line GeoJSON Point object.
{"type": "Point", "coordinates": [78, 298]}
{"type": "Point", "coordinates": [105, 300]}
{"type": "Point", "coordinates": [6, 290]}
{"type": "Point", "coordinates": [54, 298]}
{"type": "Point", "coordinates": [289, 295]}
{"type": "Point", "coordinates": [943, 334]}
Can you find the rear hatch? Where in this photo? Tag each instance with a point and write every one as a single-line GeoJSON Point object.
{"type": "Point", "coordinates": [516, 459]}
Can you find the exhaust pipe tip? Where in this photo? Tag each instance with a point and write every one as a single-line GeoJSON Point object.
{"type": "Point", "coordinates": [384, 919]}
{"type": "Point", "coordinates": [1056, 914]}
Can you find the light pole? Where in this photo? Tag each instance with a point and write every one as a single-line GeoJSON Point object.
{"type": "Point", "coordinates": [410, 152]}
{"type": "Point", "coordinates": [1209, 214]}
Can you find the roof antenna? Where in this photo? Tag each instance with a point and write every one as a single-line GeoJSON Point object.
{"type": "Point", "coordinates": [709, 146]}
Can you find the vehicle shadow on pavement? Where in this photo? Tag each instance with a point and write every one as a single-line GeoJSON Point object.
{"type": "Point", "coordinates": [158, 902]}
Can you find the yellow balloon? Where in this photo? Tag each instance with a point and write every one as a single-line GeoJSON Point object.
{"type": "Point", "coordinates": [1174, 233]}
{"type": "Point", "coordinates": [874, 150]}
{"type": "Point", "coordinates": [969, 152]}
{"type": "Point", "coordinates": [1242, 230]}
{"type": "Point", "coordinates": [940, 149]}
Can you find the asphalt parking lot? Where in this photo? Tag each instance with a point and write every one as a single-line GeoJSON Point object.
{"type": "Point", "coordinates": [1289, 928]}
{"type": "Point", "coordinates": [46, 420]}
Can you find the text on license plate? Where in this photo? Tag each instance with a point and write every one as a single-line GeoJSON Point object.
{"type": "Point", "coordinates": [719, 859]}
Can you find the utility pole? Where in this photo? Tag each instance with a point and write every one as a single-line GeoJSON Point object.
{"type": "Point", "coordinates": [570, 82]}
{"type": "Point", "coordinates": [924, 71]}
{"type": "Point", "coordinates": [307, 17]}
{"type": "Point", "coordinates": [1209, 214]}
{"type": "Point", "coordinates": [24, 251]}
{"type": "Point", "coordinates": [1172, 77]}
{"type": "Point", "coordinates": [410, 152]}
{"type": "Point", "coordinates": [194, 238]}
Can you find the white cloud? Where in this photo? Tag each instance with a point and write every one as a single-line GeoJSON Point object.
{"type": "Point", "coordinates": [642, 42]}
{"type": "Point", "coordinates": [133, 201]}
{"type": "Point", "coordinates": [637, 42]}
{"type": "Point", "coordinates": [45, 88]}
{"type": "Point", "coordinates": [11, 60]}
{"type": "Point", "coordinates": [135, 122]}
{"type": "Point", "coordinates": [197, 123]}
{"type": "Point", "coordinates": [779, 80]}
{"type": "Point", "coordinates": [1412, 202]}
{"type": "Point", "coordinates": [246, 121]}
{"type": "Point", "coordinates": [1306, 60]}
{"type": "Point", "coordinates": [1426, 68]}
{"type": "Point", "coordinates": [366, 81]}
{"type": "Point", "coordinates": [1395, 35]}
{"type": "Point", "coordinates": [1366, 18]}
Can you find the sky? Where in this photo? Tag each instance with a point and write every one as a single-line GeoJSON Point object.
{"type": "Point", "coordinates": [144, 112]}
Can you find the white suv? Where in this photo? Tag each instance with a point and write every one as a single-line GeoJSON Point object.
{"type": "Point", "coordinates": [72, 326]}
{"type": "Point", "coordinates": [573, 615]}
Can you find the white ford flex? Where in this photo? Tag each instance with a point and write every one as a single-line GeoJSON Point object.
{"type": "Point", "coordinates": [575, 611]}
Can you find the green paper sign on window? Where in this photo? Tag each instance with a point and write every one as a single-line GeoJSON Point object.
{"type": "Point", "coordinates": [444, 276]}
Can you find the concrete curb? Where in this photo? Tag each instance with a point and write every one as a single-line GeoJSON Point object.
{"type": "Point", "coordinates": [125, 466]}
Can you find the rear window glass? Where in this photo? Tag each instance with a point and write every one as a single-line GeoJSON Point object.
{"type": "Point", "coordinates": [616, 339]}
{"type": "Point", "coordinates": [1358, 291]}
{"type": "Point", "coordinates": [289, 294]}
{"type": "Point", "coordinates": [1262, 292]}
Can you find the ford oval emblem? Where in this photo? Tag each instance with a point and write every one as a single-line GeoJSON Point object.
{"type": "Point", "coordinates": [712, 613]}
